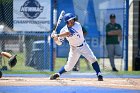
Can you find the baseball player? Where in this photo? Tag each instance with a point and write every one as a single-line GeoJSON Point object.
{"type": "Point", "coordinates": [12, 58]}
{"type": "Point", "coordinates": [72, 31]}
{"type": "Point", "coordinates": [11, 62]}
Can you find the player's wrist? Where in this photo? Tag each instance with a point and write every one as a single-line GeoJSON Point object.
{"type": "Point", "coordinates": [55, 38]}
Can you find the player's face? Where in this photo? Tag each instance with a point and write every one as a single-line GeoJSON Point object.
{"type": "Point", "coordinates": [70, 23]}
{"type": "Point", "coordinates": [112, 20]}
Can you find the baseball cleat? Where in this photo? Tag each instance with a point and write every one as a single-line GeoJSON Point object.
{"type": "Point", "coordinates": [54, 76]}
{"type": "Point", "coordinates": [100, 78]}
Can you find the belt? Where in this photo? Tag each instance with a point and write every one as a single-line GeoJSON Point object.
{"type": "Point", "coordinates": [81, 44]}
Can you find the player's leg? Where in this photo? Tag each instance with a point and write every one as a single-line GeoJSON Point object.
{"type": "Point", "coordinates": [72, 59]}
{"type": "Point", "coordinates": [77, 66]}
{"type": "Point", "coordinates": [111, 53]}
{"type": "Point", "coordinates": [88, 54]}
{"type": "Point", "coordinates": [118, 50]}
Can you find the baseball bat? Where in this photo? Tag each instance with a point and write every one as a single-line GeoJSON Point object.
{"type": "Point", "coordinates": [59, 20]}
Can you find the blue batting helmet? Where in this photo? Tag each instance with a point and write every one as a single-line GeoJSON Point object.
{"type": "Point", "coordinates": [68, 17]}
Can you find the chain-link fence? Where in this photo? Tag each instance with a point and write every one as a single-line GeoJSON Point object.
{"type": "Point", "coordinates": [30, 42]}
{"type": "Point", "coordinates": [31, 49]}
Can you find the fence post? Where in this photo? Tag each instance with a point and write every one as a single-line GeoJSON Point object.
{"type": "Point", "coordinates": [51, 40]}
{"type": "Point", "coordinates": [126, 36]}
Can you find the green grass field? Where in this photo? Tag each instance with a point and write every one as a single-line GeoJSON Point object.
{"type": "Point", "coordinates": [20, 67]}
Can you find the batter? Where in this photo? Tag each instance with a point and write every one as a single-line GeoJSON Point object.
{"type": "Point", "coordinates": [72, 31]}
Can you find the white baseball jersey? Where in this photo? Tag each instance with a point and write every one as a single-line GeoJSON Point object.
{"type": "Point", "coordinates": [76, 38]}
{"type": "Point", "coordinates": [78, 46]}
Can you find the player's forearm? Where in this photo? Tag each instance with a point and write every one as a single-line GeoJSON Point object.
{"type": "Point", "coordinates": [6, 54]}
{"type": "Point", "coordinates": [116, 32]}
{"type": "Point", "coordinates": [64, 34]}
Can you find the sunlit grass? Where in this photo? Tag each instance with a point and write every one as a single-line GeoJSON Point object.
{"type": "Point", "coordinates": [21, 68]}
